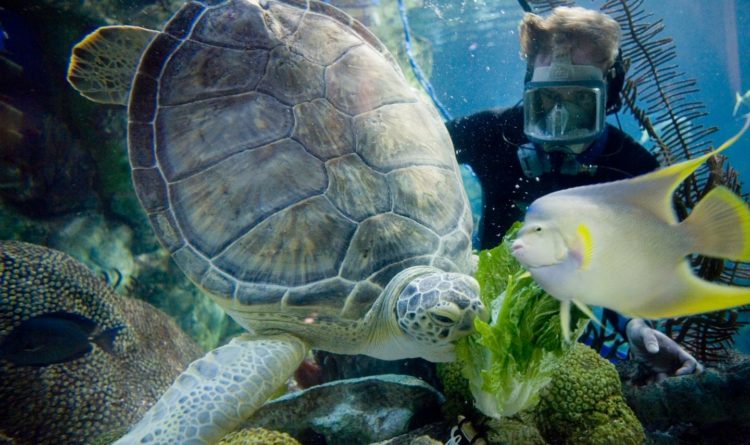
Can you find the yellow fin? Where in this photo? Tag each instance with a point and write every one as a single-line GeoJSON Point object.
{"type": "Point", "coordinates": [694, 295]}
{"type": "Point", "coordinates": [719, 226]}
{"type": "Point", "coordinates": [587, 311]}
{"type": "Point", "coordinates": [653, 191]}
{"type": "Point", "coordinates": [565, 319]}
{"type": "Point", "coordinates": [585, 246]}
{"type": "Point", "coordinates": [103, 64]}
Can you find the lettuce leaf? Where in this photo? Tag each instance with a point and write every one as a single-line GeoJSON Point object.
{"type": "Point", "coordinates": [510, 359]}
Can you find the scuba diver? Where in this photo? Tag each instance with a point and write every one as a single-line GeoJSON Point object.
{"type": "Point", "coordinates": [557, 138]}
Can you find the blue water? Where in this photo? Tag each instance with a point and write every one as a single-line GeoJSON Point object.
{"type": "Point", "coordinates": [476, 63]}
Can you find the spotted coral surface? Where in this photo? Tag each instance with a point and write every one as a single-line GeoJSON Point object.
{"type": "Point", "coordinates": [583, 404]}
{"type": "Point", "coordinates": [455, 387]}
{"type": "Point", "coordinates": [83, 398]}
{"type": "Point", "coordinates": [258, 436]}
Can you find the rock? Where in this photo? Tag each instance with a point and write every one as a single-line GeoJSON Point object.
{"type": "Point", "coordinates": [77, 400]}
{"type": "Point", "coordinates": [713, 406]}
{"type": "Point", "coordinates": [433, 434]}
{"type": "Point", "coordinates": [342, 366]}
{"type": "Point", "coordinates": [355, 411]}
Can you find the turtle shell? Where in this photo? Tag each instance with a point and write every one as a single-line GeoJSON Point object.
{"type": "Point", "coordinates": [286, 164]}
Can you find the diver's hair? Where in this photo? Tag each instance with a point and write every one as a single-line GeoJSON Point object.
{"type": "Point", "coordinates": [564, 27]}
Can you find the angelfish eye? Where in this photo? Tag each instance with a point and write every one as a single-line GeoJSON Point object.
{"type": "Point", "coordinates": [537, 229]}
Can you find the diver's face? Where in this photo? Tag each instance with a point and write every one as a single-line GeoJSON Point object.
{"type": "Point", "coordinates": [562, 104]}
{"type": "Point", "coordinates": [580, 105]}
{"type": "Point", "coordinates": [585, 101]}
{"type": "Point", "coordinates": [567, 109]}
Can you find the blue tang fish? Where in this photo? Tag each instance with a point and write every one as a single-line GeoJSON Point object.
{"type": "Point", "coordinates": [55, 337]}
{"type": "Point", "coordinates": [620, 245]}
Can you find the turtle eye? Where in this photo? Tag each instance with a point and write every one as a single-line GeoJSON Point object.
{"type": "Point", "coordinates": [442, 319]}
{"type": "Point", "coordinates": [445, 315]}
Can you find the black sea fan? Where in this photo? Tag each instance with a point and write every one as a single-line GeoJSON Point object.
{"type": "Point", "coordinates": [542, 6]}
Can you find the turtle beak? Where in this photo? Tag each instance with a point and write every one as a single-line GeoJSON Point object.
{"type": "Point", "coordinates": [477, 311]}
{"type": "Point", "coordinates": [483, 313]}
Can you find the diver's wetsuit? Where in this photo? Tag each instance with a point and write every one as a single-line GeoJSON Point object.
{"type": "Point", "coordinates": [488, 142]}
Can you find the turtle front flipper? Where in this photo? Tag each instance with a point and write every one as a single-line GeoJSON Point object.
{"type": "Point", "coordinates": [217, 392]}
{"type": "Point", "coordinates": [103, 64]}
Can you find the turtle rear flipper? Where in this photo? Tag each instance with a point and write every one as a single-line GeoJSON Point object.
{"type": "Point", "coordinates": [219, 391]}
{"type": "Point", "coordinates": [103, 64]}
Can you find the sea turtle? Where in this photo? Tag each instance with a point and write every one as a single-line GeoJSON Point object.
{"type": "Point", "coordinates": [292, 173]}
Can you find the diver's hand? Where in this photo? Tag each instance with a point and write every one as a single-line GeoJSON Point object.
{"type": "Point", "coordinates": [662, 355]}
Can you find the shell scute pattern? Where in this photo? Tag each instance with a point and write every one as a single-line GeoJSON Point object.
{"type": "Point", "coordinates": [233, 27]}
{"type": "Point", "coordinates": [199, 71]}
{"type": "Point", "coordinates": [282, 256]}
{"type": "Point", "coordinates": [413, 200]}
{"type": "Point", "coordinates": [218, 283]}
{"type": "Point", "coordinates": [182, 23]}
{"type": "Point", "coordinates": [360, 300]}
{"type": "Point", "coordinates": [190, 262]}
{"type": "Point", "coordinates": [362, 80]}
{"type": "Point", "coordinates": [166, 230]}
{"type": "Point", "coordinates": [401, 135]}
{"type": "Point", "coordinates": [385, 239]}
{"type": "Point", "coordinates": [282, 19]}
{"type": "Point", "coordinates": [141, 145]}
{"type": "Point", "coordinates": [291, 78]}
{"type": "Point", "coordinates": [324, 296]}
{"type": "Point", "coordinates": [260, 154]}
{"type": "Point", "coordinates": [228, 125]}
{"type": "Point", "coordinates": [355, 189]}
{"type": "Point", "coordinates": [151, 190]}
{"type": "Point", "coordinates": [219, 205]}
{"type": "Point", "coordinates": [324, 131]}
{"type": "Point", "coordinates": [259, 295]}
{"type": "Point", "coordinates": [321, 40]}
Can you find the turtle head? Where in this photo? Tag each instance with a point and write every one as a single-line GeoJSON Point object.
{"type": "Point", "coordinates": [435, 309]}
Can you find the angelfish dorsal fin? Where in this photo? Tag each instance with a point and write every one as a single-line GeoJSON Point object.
{"type": "Point", "coordinates": [653, 191]}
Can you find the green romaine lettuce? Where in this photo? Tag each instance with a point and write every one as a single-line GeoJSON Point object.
{"type": "Point", "coordinates": [508, 360]}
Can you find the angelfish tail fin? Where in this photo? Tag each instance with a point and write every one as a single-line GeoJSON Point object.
{"type": "Point", "coordinates": [693, 295]}
{"type": "Point", "coordinates": [719, 226]}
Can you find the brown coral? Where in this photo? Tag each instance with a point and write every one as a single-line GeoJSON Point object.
{"type": "Point", "coordinates": [77, 400]}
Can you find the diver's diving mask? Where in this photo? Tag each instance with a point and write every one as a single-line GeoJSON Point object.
{"type": "Point", "coordinates": [564, 106]}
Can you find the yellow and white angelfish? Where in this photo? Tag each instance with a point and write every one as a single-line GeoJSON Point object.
{"type": "Point", "coordinates": [619, 245]}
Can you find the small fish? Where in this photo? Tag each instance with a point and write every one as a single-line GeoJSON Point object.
{"type": "Point", "coordinates": [55, 337]}
{"type": "Point", "coordinates": [619, 245]}
{"type": "Point", "coordinates": [739, 101]}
